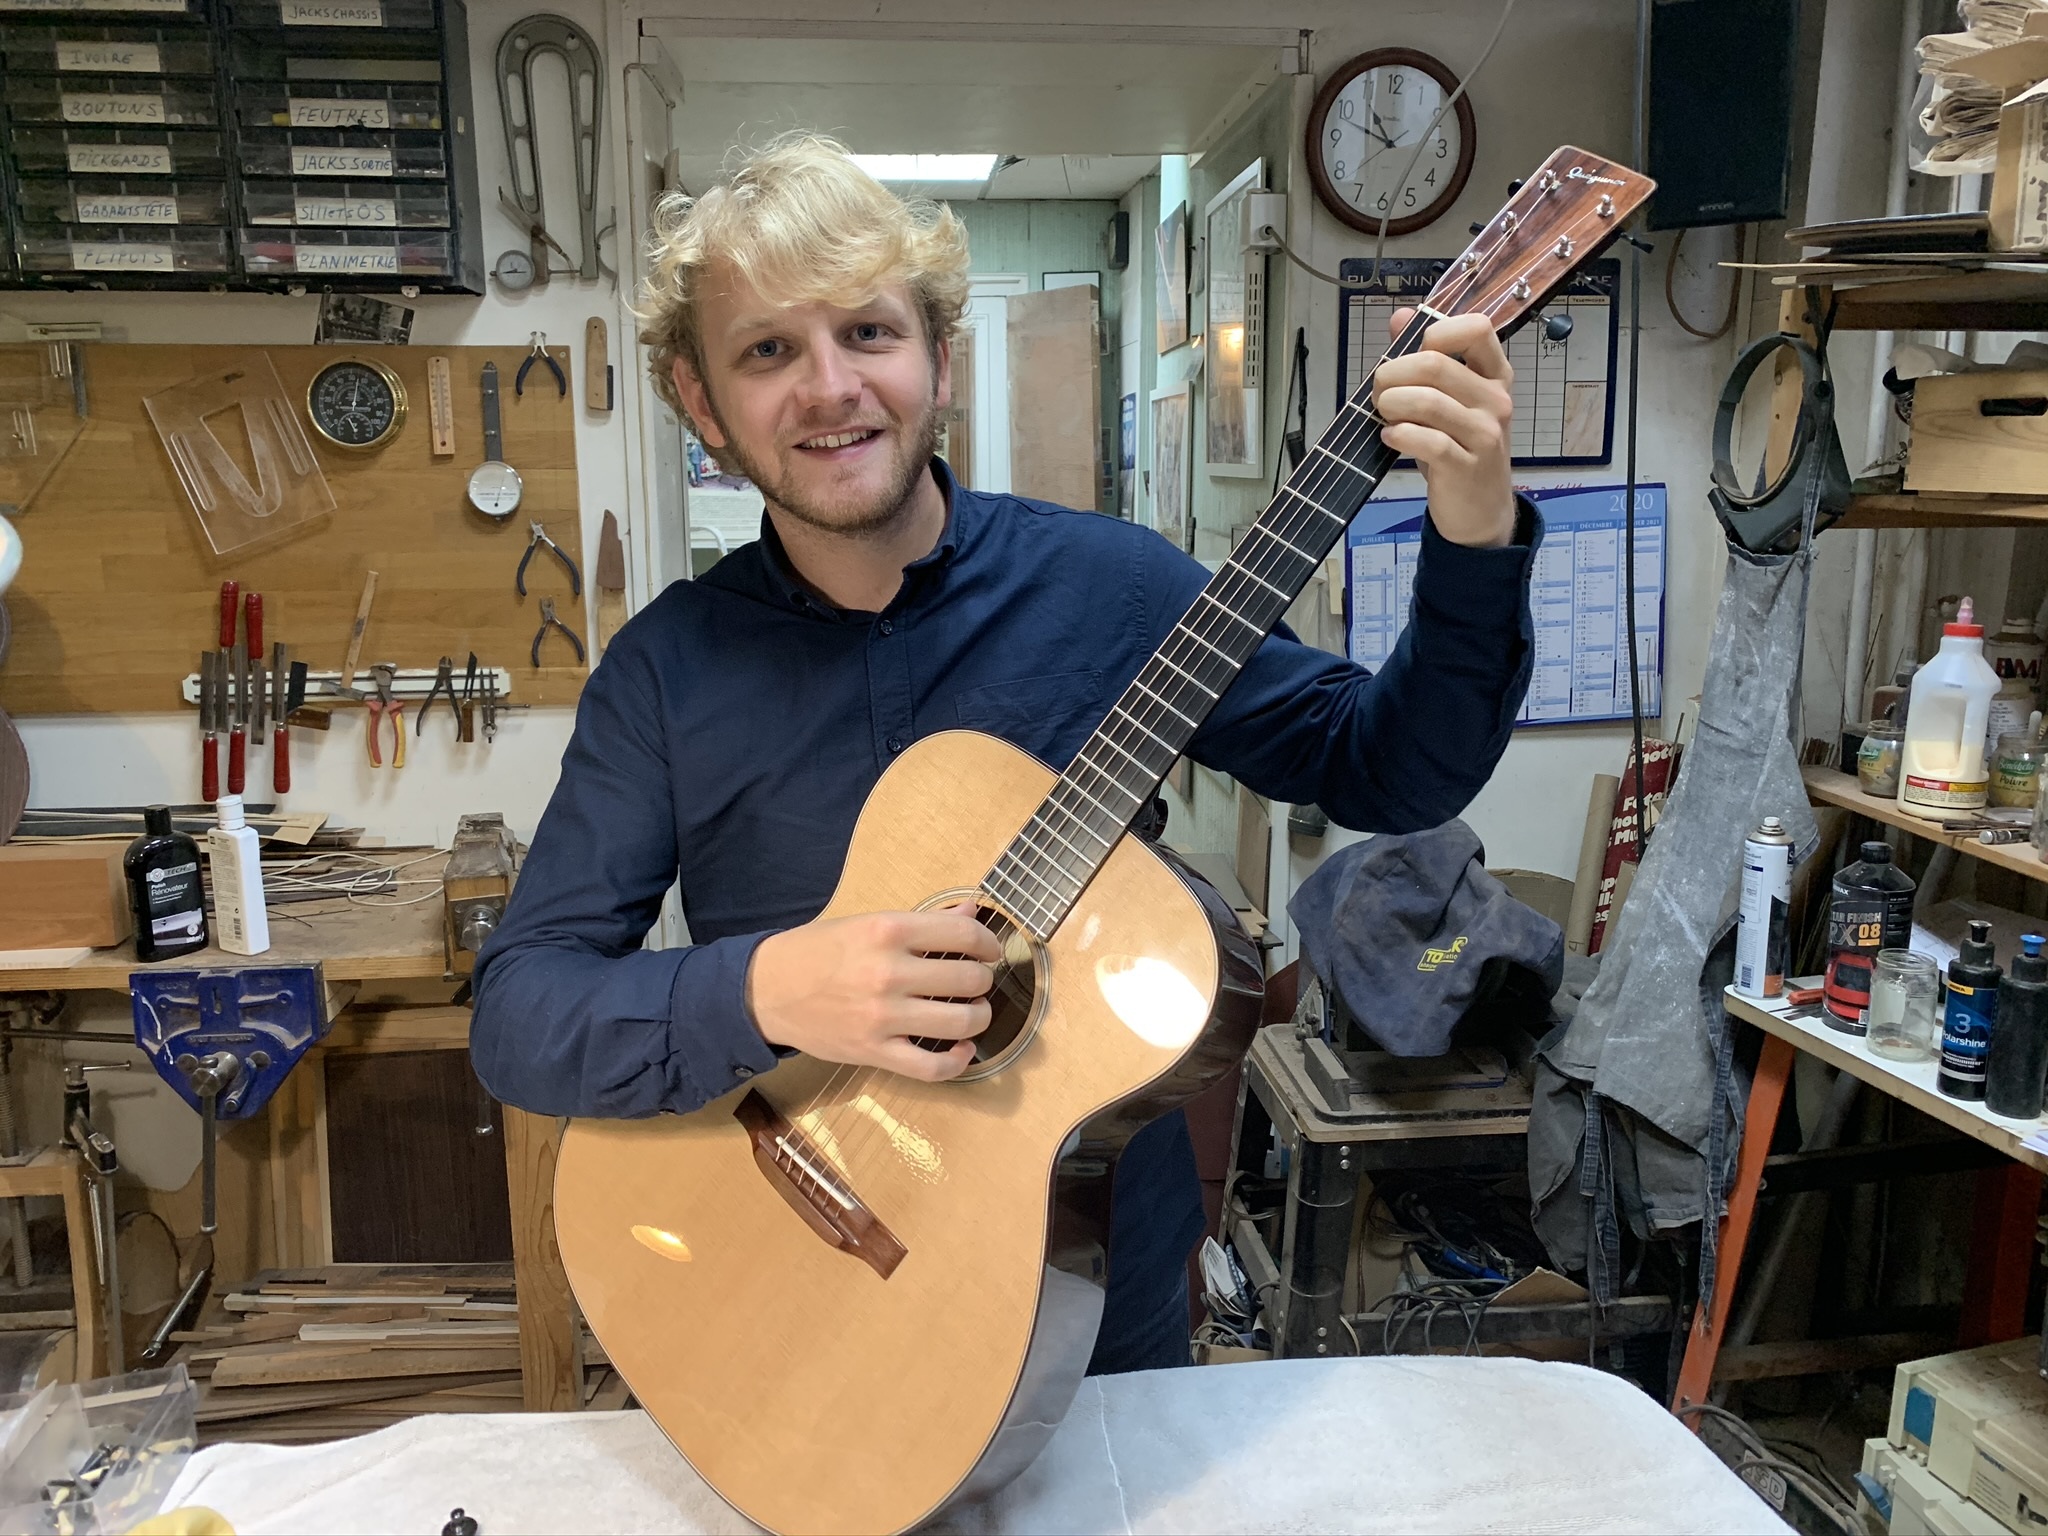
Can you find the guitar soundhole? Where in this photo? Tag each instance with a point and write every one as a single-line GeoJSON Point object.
{"type": "Point", "coordinates": [1016, 1001]}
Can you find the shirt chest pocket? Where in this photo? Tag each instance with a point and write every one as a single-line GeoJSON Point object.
{"type": "Point", "coordinates": [1039, 714]}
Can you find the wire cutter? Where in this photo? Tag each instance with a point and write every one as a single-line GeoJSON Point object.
{"type": "Point", "coordinates": [540, 537]}
{"type": "Point", "coordinates": [547, 621]}
{"type": "Point", "coordinates": [540, 354]}
{"type": "Point", "coordinates": [381, 705]}
{"type": "Point", "coordinates": [444, 682]}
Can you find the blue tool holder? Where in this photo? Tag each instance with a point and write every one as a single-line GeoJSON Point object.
{"type": "Point", "coordinates": [275, 1012]}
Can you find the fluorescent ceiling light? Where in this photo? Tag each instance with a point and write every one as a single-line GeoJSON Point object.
{"type": "Point", "coordinates": [927, 168]}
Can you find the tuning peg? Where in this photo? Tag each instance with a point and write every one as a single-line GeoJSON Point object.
{"type": "Point", "coordinates": [1478, 229]}
{"type": "Point", "coordinates": [1557, 327]}
{"type": "Point", "coordinates": [1642, 245]}
{"type": "Point", "coordinates": [1515, 186]}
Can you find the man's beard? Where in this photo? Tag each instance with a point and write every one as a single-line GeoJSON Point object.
{"type": "Point", "coordinates": [917, 443]}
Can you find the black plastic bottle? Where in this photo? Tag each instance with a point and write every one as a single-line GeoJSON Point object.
{"type": "Point", "coordinates": [164, 889]}
{"type": "Point", "coordinates": [2016, 1070]}
{"type": "Point", "coordinates": [1870, 908]}
{"type": "Point", "coordinates": [1971, 1017]}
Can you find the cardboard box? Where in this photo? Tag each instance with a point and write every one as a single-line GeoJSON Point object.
{"type": "Point", "coordinates": [62, 895]}
{"type": "Point", "coordinates": [2010, 1475]}
{"type": "Point", "coordinates": [2019, 184]}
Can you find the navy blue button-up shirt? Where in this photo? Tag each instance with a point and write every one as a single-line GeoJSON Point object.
{"type": "Point", "coordinates": [736, 725]}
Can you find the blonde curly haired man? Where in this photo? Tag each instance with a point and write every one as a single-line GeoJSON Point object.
{"type": "Point", "coordinates": [800, 315]}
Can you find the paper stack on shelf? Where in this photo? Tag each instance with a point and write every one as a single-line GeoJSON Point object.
{"type": "Point", "coordinates": [1960, 114]}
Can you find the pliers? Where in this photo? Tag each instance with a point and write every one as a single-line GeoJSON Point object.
{"type": "Point", "coordinates": [465, 716]}
{"type": "Point", "coordinates": [444, 682]}
{"type": "Point", "coordinates": [381, 705]}
{"type": "Point", "coordinates": [548, 620]}
{"type": "Point", "coordinates": [540, 354]}
{"type": "Point", "coordinates": [540, 537]}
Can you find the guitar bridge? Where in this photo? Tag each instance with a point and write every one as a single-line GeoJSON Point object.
{"type": "Point", "coordinates": [807, 1181]}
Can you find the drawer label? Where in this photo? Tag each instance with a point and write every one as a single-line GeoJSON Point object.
{"type": "Point", "coordinates": [106, 256]}
{"type": "Point", "coordinates": [346, 259]}
{"type": "Point", "coordinates": [309, 160]}
{"type": "Point", "coordinates": [98, 108]}
{"type": "Point", "coordinates": [349, 212]}
{"type": "Point", "coordinates": [132, 209]}
{"type": "Point", "coordinates": [332, 13]}
{"type": "Point", "coordinates": [111, 58]}
{"type": "Point", "coordinates": [326, 112]}
{"type": "Point", "coordinates": [120, 159]}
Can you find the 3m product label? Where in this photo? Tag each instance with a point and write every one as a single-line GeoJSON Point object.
{"type": "Point", "coordinates": [1966, 1031]}
{"type": "Point", "coordinates": [112, 109]}
{"type": "Point", "coordinates": [310, 161]}
{"type": "Point", "coordinates": [120, 159]}
{"type": "Point", "coordinates": [333, 112]}
{"type": "Point", "coordinates": [347, 260]}
{"type": "Point", "coordinates": [130, 209]}
{"type": "Point", "coordinates": [111, 58]}
{"type": "Point", "coordinates": [331, 13]}
{"type": "Point", "coordinates": [346, 212]}
{"type": "Point", "coordinates": [107, 256]}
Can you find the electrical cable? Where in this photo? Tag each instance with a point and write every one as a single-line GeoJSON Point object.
{"type": "Point", "coordinates": [1827, 1494]}
{"type": "Point", "coordinates": [1734, 290]}
{"type": "Point", "coordinates": [1380, 246]}
{"type": "Point", "coordinates": [1635, 358]}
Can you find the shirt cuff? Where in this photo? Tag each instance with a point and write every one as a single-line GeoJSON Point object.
{"type": "Point", "coordinates": [1483, 587]}
{"type": "Point", "coordinates": [713, 1044]}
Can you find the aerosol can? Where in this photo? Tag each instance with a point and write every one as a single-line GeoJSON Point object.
{"type": "Point", "coordinates": [1766, 896]}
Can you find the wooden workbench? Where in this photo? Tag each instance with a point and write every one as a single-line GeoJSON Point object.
{"type": "Point", "coordinates": [356, 944]}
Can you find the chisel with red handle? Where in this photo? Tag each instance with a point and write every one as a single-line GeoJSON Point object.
{"type": "Point", "coordinates": [209, 725]}
{"type": "Point", "coordinates": [230, 609]}
{"type": "Point", "coordinates": [238, 721]}
{"type": "Point", "coordinates": [281, 671]}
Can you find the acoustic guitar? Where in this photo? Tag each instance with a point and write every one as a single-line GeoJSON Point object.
{"type": "Point", "coordinates": [850, 1298]}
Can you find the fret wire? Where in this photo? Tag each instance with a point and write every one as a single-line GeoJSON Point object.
{"type": "Point", "coordinates": [1038, 818]}
{"type": "Point", "coordinates": [1020, 853]}
{"type": "Point", "coordinates": [1181, 629]}
{"type": "Point", "coordinates": [1330, 453]}
{"type": "Point", "coordinates": [1165, 660]}
{"type": "Point", "coordinates": [1018, 898]}
{"type": "Point", "coordinates": [1261, 529]}
{"type": "Point", "coordinates": [1167, 685]}
{"type": "Point", "coordinates": [1024, 836]}
{"type": "Point", "coordinates": [1113, 742]}
{"type": "Point", "coordinates": [1165, 705]}
{"type": "Point", "coordinates": [1118, 821]}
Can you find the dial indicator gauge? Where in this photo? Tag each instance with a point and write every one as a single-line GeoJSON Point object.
{"type": "Point", "coordinates": [356, 404]}
{"type": "Point", "coordinates": [1369, 120]}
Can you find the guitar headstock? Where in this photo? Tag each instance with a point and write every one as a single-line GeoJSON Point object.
{"type": "Point", "coordinates": [1560, 219]}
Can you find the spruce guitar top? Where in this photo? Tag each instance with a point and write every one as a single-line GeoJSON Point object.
{"type": "Point", "coordinates": [851, 1298]}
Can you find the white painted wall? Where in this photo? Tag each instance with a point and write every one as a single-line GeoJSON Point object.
{"type": "Point", "coordinates": [131, 759]}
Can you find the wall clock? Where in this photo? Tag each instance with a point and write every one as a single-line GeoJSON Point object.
{"type": "Point", "coordinates": [1363, 130]}
{"type": "Point", "coordinates": [356, 403]}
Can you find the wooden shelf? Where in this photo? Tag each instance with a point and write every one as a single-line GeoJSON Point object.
{"type": "Point", "coordinates": [1916, 509]}
{"type": "Point", "coordinates": [1910, 1082]}
{"type": "Point", "coordinates": [1831, 788]}
{"type": "Point", "coordinates": [1952, 301]}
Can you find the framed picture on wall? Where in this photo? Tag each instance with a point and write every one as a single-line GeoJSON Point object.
{"type": "Point", "coordinates": [1234, 333]}
{"type": "Point", "coordinates": [1170, 465]}
{"type": "Point", "coordinates": [1127, 458]}
{"type": "Point", "coordinates": [1173, 279]}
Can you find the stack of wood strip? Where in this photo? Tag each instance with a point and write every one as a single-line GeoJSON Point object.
{"type": "Point", "coordinates": [303, 1355]}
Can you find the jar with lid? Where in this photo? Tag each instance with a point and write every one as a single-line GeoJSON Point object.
{"type": "Point", "coordinates": [2016, 769]}
{"type": "Point", "coordinates": [1877, 760]}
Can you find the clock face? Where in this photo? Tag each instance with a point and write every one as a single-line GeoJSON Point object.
{"type": "Point", "coordinates": [356, 404]}
{"type": "Point", "coordinates": [1369, 122]}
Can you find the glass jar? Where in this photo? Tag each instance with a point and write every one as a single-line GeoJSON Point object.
{"type": "Point", "coordinates": [2016, 770]}
{"type": "Point", "coordinates": [1877, 760]}
{"type": "Point", "coordinates": [1903, 985]}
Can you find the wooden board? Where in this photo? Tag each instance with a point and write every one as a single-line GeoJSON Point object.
{"type": "Point", "coordinates": [1055, 390]}
{"type": "Point", "coordinates": [1828, 787]}
{"type": "Point", "coordinates": [119, 590]}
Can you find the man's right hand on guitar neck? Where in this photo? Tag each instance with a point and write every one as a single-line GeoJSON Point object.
{"type": "Point", "coordinates": [862, 990]}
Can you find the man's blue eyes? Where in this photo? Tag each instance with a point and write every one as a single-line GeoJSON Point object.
{"type": "Point", "coordinates": [864, 333]}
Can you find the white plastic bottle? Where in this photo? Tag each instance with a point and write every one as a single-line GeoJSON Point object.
{"type": "Point", "coordinates": [1944, 766]}
{"type": "Point", "coordinates": [241, 923]}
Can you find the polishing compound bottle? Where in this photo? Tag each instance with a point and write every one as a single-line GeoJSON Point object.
{"type": "Point", "coordinates": [2016, 1070]}
{"type": "Point", "coordinates": [1944, 766]}
{"type": "Point", "coordinates": [1970, 1018]}
{"type": "Point", "coordinates": [1870, 908]}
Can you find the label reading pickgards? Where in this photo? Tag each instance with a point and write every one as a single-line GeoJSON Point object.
{"type": "Point", "coordinates": [176, 908]}
{"type": "Point", "coordinates": [119, 159]}
{"type": "Point", "coordinates": [1966, 1034]}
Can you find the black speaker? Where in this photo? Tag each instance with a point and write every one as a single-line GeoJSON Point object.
{"type": "Point", "coordinates": [1720, 110]}
{"type": "Point", "coordinates": [1119, 235]}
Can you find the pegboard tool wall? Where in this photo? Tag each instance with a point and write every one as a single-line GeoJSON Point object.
{"type": "Point", "coordinates": [119, 591]}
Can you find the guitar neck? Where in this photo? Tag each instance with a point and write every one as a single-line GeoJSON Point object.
{"type": "Point", "coordinates": [1119, 769]}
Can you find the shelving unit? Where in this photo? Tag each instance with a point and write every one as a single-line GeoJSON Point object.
{"type": "Point", "coordinates": [1908, 509]}
{"type": "Point", "coordinates": [1986, 300]}
{"type": "Point", "coordinates": [1827, 787]}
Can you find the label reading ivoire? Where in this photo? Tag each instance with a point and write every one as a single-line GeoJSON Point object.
{"type": "Point", "coordinates": [309, 160]}
{"type": "Point", "coordinates": [107, 256]}
{"type": "Point", "coordinates": [334, 112]}
{"type": "Point", "coordinates": [331, 13]}
{"type": "Point", "coordinates": [347, 260]}
{"type": "Point", "coordinates": [347, 212]}
{"type": "Point", "coordinates": [98, 108]}
{"type": "Point", "coordinates": [137, 208]}
{"type": "Point", "coordinates": [111, 58]}
{"type": "Point", "coordinates": [119, 159]}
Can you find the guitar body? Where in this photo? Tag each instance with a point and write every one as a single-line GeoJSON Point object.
{"type": "Point", "coordinates": [822, 1381]}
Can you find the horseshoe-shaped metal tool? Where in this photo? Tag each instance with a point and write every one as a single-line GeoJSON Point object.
{"type": "Point", "coordinates": [522, 44]}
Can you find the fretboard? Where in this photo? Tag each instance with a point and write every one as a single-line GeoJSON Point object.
{"type": "Point", "coordinates": [1116, 773]}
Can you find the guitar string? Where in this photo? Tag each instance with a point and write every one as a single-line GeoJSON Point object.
{"type": "Point", "coordinates": [1241, 569]}
{"type": "Point", "coordinates": [884, 1103]}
